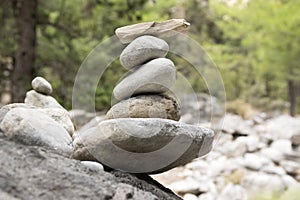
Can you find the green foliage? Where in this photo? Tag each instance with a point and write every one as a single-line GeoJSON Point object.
{"type": "Point", "coordinates": [260, 49]}
{"type": "Point", "coordinates": [255, 44]}
{"type": "Point", "coordinates": [291, 193]}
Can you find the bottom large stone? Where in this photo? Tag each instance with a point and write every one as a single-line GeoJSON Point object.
{"type": "Point", "coordinates": [143, 145]}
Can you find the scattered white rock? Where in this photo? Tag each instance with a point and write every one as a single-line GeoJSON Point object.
{"type": "Point", "coordinates": [233, 192]}
{"type": "Point", "coordinates": [207, 196]}
{"type": "Point", "coordinates": [41, 85]}
{"type": "Point", "coordinates": [185, 186]}
{"type": "Point", "coordinates": [190, 197]}
{"type": "Point", "coordinates": [252, 142]}
{"type": "Point", "coordinates": [282, 145]}
{"type": "Point", "coordinates": [271, 169]}
{"type": "Point", "coordinates": [93, 166]}
{"type": "Point", "coordinates": [290, 167]}
{"type": "Point", "coordinates": [255, 161]}
{"type": "Point", "coordinates": [289, 181]}
{"type": "Point", "coordinates": [272, 154]}
{"type": "Point", "coordinates": [283, 127]}
{"type": "Point", "coordinates": [259, 181]}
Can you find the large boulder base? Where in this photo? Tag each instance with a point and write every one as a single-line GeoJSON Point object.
{"type": "Point", "coordinates": [31, 172]}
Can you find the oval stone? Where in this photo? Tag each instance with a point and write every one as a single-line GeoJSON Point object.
{"type": "Point", "coordinates": [41, 85]}
{"type": "Point", "coordinates": [143, 49]}
{"type": "Point", "coordinates": [146, 106]}
{"type": "Point", "coordinates": [156, 76]}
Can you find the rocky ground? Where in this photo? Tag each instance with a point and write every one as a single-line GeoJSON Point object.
{"type": "Point", "coordinates": [32, 172]}
{"type": "Point", "coordinates": [259, 156]}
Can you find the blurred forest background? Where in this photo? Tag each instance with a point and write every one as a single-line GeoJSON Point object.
{"type": "Point", "coordinates": [255, 44]}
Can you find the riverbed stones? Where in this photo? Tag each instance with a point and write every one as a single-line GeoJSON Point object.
{"type": "Point", "coordinates": [148, 145]}
{"type": "Point", "coordinates": [41, 85]}
{"type": "Point", "coordinates": [156, 76]}
{"type": "Point", "coordinates": [146, 106]}
{"type": "Point", "coordinates": [143, 49]}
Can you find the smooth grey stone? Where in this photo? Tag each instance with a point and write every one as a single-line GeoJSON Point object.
{"type": "Point", "coordinates": [146, 106]}
{"type": "Point", "coordinates": [41, 85]}
{"type": "Point", "coordinates": [31, 127]}
{"type": "Point", "coordinates": [143, 49]}
{"type": "Point", "coordinates": [143, 145]}
{"type": "Point", "coordinates": [156, 76]}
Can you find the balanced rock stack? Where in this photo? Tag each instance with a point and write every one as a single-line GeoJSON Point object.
{"type": "Point", "coordinates": [40, 120]}
{"type": "Point", "coordinates": [141, 133]}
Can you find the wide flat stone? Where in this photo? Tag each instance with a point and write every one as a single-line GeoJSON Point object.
{"type": "Point", "coordinates": [156, 76]}
{"type": "Point", "coordinates": [143, 145]}
{"type": "Point", "coordinates": [146, 106]}
{"type": "Point", "coordinates": [170, 27]}
{"type": "Point", "coordinates": [143, 49]}
{"type": "Point", "coordinates": [41, 85]}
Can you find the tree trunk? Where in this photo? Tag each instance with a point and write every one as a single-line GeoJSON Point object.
{"type": "Point", "coordinates": [25, 56]}
{"type": "Point", "coordinates": [292, 97]}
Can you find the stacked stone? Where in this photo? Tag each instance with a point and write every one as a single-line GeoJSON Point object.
{"type": "Point", "coordinates": [152, 75]}
{"type": "Point", "coordinates": [141, 133]}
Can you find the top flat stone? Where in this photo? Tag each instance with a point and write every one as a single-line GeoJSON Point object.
{"type": "Point", "coordinates": [167, 28]}
{"type": "Point", "coordinates": [41, 85]}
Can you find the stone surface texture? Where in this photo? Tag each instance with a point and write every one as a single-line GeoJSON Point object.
{"type": "Point", "coordinates": [143, 145]}
{"type": "Point", "coordinates": [146, 106]}
{"type": "Point", "coordinates": [32, 172]}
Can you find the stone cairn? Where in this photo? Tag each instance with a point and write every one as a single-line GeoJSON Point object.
{"type": "Point", "coordinates": [141, 133]}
